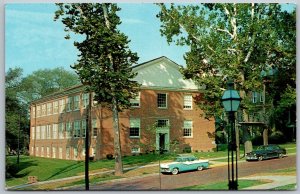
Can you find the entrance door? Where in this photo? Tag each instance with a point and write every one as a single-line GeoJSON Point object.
{"type": "Point", "coordinates": [162, 139]}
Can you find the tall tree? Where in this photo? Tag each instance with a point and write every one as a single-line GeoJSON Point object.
{"type": "Point", "coordinates": [105, 60]}
{"type": "Point", "coordinates": [235, 41]}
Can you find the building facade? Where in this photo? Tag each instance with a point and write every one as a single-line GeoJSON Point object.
{"type": "Point", "coordinates": [163, 115]}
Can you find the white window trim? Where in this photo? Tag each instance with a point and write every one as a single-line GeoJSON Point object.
{"type": "Point", "coordinates": [51, 110]}
{"type": "Point", "coordinates": [69, 102]}
{"type": "Point", "coordinates": [136, 100]}
{"type": "Point", "coordinates": [55, 103]}
{"type": "Point", "coordinates": [75, 130]}
{"type": "Point", "coordinates": [188, 137]}
{"type": "Point", "coordinates": [166, 101]}
{"type": "Point", "coordinates": [191, 102]}
{"type": "Point", "coordinates": [139, 126]}
{"type": "Point", "coordinates": [78, 108]}
{"type": "Point", "coordinates": [135, 152]}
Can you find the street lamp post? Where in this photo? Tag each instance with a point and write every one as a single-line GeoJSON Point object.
{"type": "Point", "coordinates": [231, 101]}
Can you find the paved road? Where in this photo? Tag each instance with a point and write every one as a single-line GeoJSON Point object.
{"type": "Point", "coordinates": [216, 174]}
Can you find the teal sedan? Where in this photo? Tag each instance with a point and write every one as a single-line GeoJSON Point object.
{"type": "Point", "coordinates": [184, 163]}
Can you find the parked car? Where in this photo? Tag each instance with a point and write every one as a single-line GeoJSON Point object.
{"type": "Point", "coordinates": [184, 163]}
{"type": "Point", "coordinates": [266, 152]}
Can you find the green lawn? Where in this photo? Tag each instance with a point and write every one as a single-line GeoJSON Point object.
{"type": "Point", "coordinates": [286, 187]}
{"type": "Point", "coordinates": [224, 185]}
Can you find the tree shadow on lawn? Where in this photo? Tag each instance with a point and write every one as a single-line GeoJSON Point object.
{"type": "Point", "coordinates": [22, 167]}
{"type": "Point", "coordinates": [65, 170]}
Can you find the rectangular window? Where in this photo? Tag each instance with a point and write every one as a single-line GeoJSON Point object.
{"type": "Point", "coordinates": [54, 131]}
{"type": "Point", "coordinates": [75, 150]}
{"type": "Point", "coordinates": [68, 129]}
{"type": "Point", "coordinates": [60, 152]}
{"type": "Point", "coordinates": [44, 110]}
{"type": "Point", "coordinates": [32, 132]}
{"type": "Point", "coordinates": [83, 127]}
{"type": "Point", "coordinates": [136, 101]}
{"type": "Point", "coordinates": [61, 130]}
{"type": "Point", "coordinates": [38, 132]}
{"type": "Point", "coordinates": [62, 105]}
{"type": "Point", "coordinates": [43, 132]}
{"type": "Point", "coordinates": [38, 111]}
{"type": "Point", "coordinates": [55, 107]}
{"type": "Point", "coordinates": [187, 128]}
{"type": "Point", "coordinates": [162, 123]}
{"type": "Point", "coordinates": [85, 100]}
{"type": "Point", "coordinates": [187, 102]}
{"type": "Point", "coordinates": [37, 153]}
{"type": "Point", "coordinates": [76, 129]}
{"type": "Point", "coordinates": [49, 108]}
{"type": "Point", "coordinates": [33, 112]}
{"type": "Point", "coordinates": [48, 131]}
{"type": "Point", "coordinates": [254, 97]}
{"type": "Point", "coordinates": [53, 152]}
{"type": "Point", "coordinates": [134, 130]}
{"type": "Point", "coordinates": [162, 100]}
{"type": "Point", "coordinates": [69, 104]}
{"type": "Point", "coordinates": [68, 153]}
{"type": "Point", "coordinates": [95, 129]}
{"type": "Point", "coordinates": [42, 151]}
{"type": "Point", "coordinates": [76, 102]}
{"type": "Point", "coordinates": [48, 152]}
{"type": "Point", "coordinates": [135, 150]}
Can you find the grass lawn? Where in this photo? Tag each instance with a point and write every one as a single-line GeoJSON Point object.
{"type": "Point", "coordinates": [286, 187]}
{"type": "Point", "coordinates": [224, 185]}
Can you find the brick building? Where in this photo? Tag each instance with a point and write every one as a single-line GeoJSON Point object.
{"type": "Point", "coordinates": [163, 115]}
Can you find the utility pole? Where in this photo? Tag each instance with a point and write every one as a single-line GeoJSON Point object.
{"type": "Point", "coordinates": [87, 143]}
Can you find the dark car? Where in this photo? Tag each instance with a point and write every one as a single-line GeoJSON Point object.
{"type": "Point", "coordinates": [266, 152]}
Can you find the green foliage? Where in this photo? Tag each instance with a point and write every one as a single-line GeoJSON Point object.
{"type": "Point", "coordinates": [229, 41]}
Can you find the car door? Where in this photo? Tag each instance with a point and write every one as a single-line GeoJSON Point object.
{"type": "Point", "coordinates": [188, 165]}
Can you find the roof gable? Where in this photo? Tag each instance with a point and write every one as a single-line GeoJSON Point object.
{"type": "Point", "coordinates": [162, 73]}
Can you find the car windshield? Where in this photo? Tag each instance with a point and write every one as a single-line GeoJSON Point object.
{"type": "Point", "coordinates": [178, 159]}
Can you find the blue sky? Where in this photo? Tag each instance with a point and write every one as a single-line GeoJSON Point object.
{"type": "Point", "coordinates": [33, 40]}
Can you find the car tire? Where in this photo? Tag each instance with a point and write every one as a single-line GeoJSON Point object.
{"type": "Point", "coordinates": [200, 168]}
{"type": "Point", "coordinates": [175, 171]}
{"type": "Point", "coordinates": [260, 158]}
{"type": "Point", "coordinates": [280, 155]}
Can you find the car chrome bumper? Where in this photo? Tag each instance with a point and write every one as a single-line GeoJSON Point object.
{"type": "Point", "coordinates": [165, 170]}
{"type": "Point", "coordinates": [251, 158]}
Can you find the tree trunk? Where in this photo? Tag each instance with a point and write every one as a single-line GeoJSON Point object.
{"type": "Point", "coordinates": [247, 140]}
{"type": "Point", "coordinates": [265, 136]}
{"type": "Point", "coordinates": [237, 139]}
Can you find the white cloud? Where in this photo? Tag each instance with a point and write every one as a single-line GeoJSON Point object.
{"type": "Point", "coordinates": [132, 21]}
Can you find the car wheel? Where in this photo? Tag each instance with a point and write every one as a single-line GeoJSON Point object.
{"type": "Point", "coordinates": [200, 168]}
{"type": "Point", "coordinates": [280, 155]}
{"type": "Point", "coordinates": [260, 158]}
{"type": "Point", "coordinates": [175, 171]}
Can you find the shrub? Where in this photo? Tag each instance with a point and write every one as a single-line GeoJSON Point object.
{"type": "Point", "coordinates": [277, 137]}
{"type": "Point", "coordinates": [187, 149]}
{"type": "Point", "coordinates": [109, 156]}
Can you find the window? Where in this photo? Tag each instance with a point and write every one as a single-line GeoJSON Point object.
{"type": "Point", "coordinates": [38, 131]}
{"type": "Point", "coordinates": [83, 127]}
{"type": "Point", "coordinates": [135, 150]}
{"type": "Point", "coordinates": [254, 97]}
{"type": "Point", "coordinates": [136, 101]}
{"type": "Point", "coordinates": [60, 152]}
{"type": "Point", "coordinates": [75, 150]}
{"type": "Point", "coordinates": [42, 151]}
{"type": "Point", "coordinates": [68, 129]}
{"type": "Point", "coordinates": [95, 129]}
{"type": "Point", "coordinates": [53, 152]}
{"type": "Point", "coordinates": [162, 100]}
{"type": "Point", "coordinates": [49, 108]}
{"type": "Point", "coordinates": [187, 102]}
{"type": "Point", "coordinates": [68, 153]}
{"type": "Point", "coordinates": [33, 112]}
{"type": "Point", "coordinates": [187, 128]}
{"type": "Point", "coordinates": [76, 129]}
{"type": "Point", "coordinates": [134, 130]}
{"type": "Point", "coordinates": [54, 131]}
{"type": "Point", "coordinates": [62, 105]}
{"type": "Point", "coordinates": [76, 102]}
{"type": "Point", "coordinates": [162, 123]}
{"type": "Point", "coordinates": [43, 109]}
{"type": "Point", "coordinates": [48, 131]}
{"type": "Point", "coordinates": [85, 100]}
{"type": "Point", "coordinates": [69, 104]}
{"type": "Point", "coordinates": [55, 107]}
{"type": "Point", "coordinates": [61, 129]}
{"type": "Point", "coordinates": [38, 111]}
{"type": "Point", "coordinates": [48, 152]}
{"type": "Point", "coordinates": [37, 151]}
{"type": "Point", "coordinates": [43, 131]}
{"type": "Point", "coordinates": [32, 132]}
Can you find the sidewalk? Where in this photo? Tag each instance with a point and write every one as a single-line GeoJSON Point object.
{"type": "Point", "coordinates": [277, 181]}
